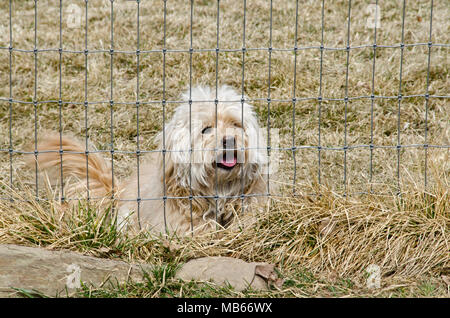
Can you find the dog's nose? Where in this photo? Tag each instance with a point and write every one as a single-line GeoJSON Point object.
{"type": "Point", "coordinates": [229, 142]}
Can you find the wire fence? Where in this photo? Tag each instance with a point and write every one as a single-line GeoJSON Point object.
{"type": "Point", "coordinates": [218, 50]}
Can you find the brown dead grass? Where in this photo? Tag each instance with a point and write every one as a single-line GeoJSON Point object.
{"type": "Point", "coordinates": [332, 239]}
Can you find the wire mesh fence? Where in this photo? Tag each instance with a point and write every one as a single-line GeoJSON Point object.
{"type": "Point", "coordinates": [314, 103]}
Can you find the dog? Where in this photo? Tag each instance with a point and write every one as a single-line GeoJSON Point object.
{"type": "Point", "coordinates": [209, 165]}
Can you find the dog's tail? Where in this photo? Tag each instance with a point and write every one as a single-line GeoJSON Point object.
{"type": "Point", "coordinates": [92, 174]}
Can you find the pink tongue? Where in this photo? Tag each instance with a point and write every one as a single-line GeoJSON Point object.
{"type": "Point", "coordinates": [229, 163]}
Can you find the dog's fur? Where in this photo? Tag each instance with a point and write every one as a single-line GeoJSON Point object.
{"type": "Point", "coordinates": [209, 190]}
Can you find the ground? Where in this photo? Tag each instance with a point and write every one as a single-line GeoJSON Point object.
{"type": "Point", "coordinates": [321, 241]}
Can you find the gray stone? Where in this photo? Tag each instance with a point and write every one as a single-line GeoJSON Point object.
{"type": "Point", "coordinates": [223, 271]}
{"type": "Point", "coordinates": [58, 273]}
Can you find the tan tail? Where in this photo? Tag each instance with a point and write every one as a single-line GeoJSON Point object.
{"type": "Point", "coordinates": [91, 172]}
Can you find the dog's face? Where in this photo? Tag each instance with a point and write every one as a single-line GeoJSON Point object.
{"type": "Point", "coordinates": [227, 149]}
{"type": "Point", "coordinates": [220, 145]}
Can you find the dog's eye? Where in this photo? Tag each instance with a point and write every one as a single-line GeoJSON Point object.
{"type": "Point", "coordinates": [206, 130]}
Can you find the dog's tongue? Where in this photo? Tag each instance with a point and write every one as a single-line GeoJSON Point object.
{"type": "Point", "coordinates": [229, 162]}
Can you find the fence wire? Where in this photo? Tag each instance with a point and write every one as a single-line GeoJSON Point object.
{"type": "Point", "coordinates": [218, 50]}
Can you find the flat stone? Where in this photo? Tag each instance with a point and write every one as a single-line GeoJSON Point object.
{"type": "Point", "coordinates": [224, 271]}
{"type": "Point", "coordinates": [58, 273]}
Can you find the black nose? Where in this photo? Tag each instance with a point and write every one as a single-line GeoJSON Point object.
{"type": "Point", "coordinates": [229, 142]}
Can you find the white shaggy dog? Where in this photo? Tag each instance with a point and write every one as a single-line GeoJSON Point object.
{"type": "Point", "coordinates": [212, 161]}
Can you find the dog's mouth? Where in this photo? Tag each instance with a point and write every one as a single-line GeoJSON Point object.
{"type": "Point", "coordinates": [228, 160]}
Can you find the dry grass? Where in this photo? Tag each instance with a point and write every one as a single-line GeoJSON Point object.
{"type": "Point", "coordinates": [321, 245]}
{"type": "Point", "coordinates": [408, 237]}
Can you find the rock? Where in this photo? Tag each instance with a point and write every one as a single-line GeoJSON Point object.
{"type": "Point", "coordinates": [58, 273]}
{"type": "Point", "coordinates": [223, 271]}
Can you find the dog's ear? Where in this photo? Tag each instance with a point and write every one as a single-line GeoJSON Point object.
{"type": "Point", "coordinates": [169, 175]}
{"type": "Point", "coordinates": [175, 141]}
{"type": "Point", "coordinates": [165, 161]}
